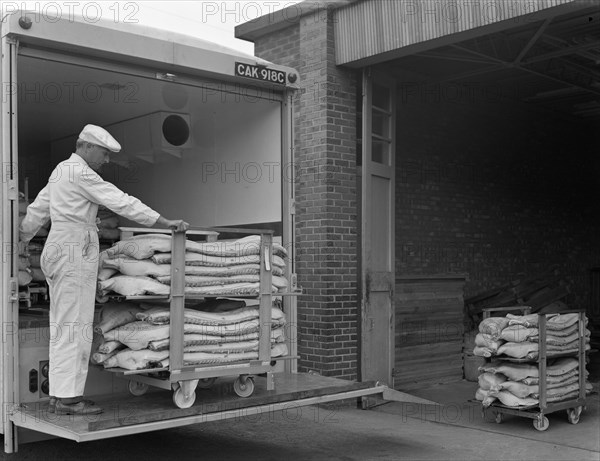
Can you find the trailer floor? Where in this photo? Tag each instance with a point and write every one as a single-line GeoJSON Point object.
{"type": "Point", "coordinates": [338, 431]}
{"type": "Point", "coordinates": [125, 414]}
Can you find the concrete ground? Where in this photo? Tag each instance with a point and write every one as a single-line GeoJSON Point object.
{"type": "Point", "coordinates": [392, 431]}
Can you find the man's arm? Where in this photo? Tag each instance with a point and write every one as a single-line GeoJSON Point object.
{"type": "Point", "coordinates": [38, 214]}
{"type": "Point", "coordinates": [109, 195]}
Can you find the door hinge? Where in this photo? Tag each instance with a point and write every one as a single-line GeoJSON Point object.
{"type": "Point", "coordinates": [13, 191]}
{"type": "Point", "coordinates": [13, 288]}
{"type": "Point", "coordinates": [292, 207]}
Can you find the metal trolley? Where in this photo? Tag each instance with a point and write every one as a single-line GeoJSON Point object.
{"type": "Point", "coordinates": [573, 406]}
{"type": "Point", "coordinates": [182, 379]}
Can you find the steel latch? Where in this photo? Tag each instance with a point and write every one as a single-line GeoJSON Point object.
{"type": "Point", "coordinates": [293, 281]}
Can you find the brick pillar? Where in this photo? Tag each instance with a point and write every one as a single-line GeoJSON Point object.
{"type": "Point", "coordinates": [326, 199]}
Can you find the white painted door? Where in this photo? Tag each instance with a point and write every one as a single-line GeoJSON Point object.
{"type": "Point", "coordinates": [377, 217]}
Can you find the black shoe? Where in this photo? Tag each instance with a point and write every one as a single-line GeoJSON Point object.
{"type": "Point", "coordinates": [84, 407]}
{"type": "Point", "coordinates": [52, 405]}
{"type": "Point", "coordinates": [53, 400]}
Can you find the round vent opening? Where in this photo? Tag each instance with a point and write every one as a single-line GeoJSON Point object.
{"type": "Point", "coordinates": [176, 130]}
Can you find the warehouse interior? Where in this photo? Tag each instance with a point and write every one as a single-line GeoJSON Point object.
{"type": "Point", "coordinates": [496, 176]}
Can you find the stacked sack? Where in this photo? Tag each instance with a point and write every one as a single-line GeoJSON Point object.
{"type": "Point", "coordinates": [29, 266]}
{"type": "Point", "coordinates": [137, 337]}
{"type": "Point", "coordinates": [107, 223]}
{"type": "Point", "coordinates": [141, 265]}
{"type": "Point", "coordinates": [35, 260]}
{"type": "Point", "coordinates": [517, 384]}
{"type": "Point", "coordinates": [517, 336]}
{"type": "Point", "coordinates": [25, 275]}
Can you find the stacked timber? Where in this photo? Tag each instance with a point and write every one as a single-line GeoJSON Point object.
{"type": "Point", "coordinates": [429, 312]}
{"type": "Point", "coordinates": [538, 292]}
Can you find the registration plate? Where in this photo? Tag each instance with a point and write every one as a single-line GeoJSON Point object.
{"type": "Point", "coordinates": [260, 73]}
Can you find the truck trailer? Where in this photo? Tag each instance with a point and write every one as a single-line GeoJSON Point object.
{"type": "Point", "coordinates": [207, 136]}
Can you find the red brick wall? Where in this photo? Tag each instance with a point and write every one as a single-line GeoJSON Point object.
{"type": "Point", "coordinates": [494, 189]}
{"type": "Point", "coordinates": [326, 222]}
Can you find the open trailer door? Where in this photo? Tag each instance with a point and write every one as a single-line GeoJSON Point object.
{"type": "Point", "coordinates": [9, 209]}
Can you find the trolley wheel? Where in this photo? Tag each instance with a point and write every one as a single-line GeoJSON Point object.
{"type": "Point", "coordinates": [244, 386]}
{"type": "Point", "coordinates": [181, 401]}
{"type": "Point", "coordinates": [543, 426]}
{"type": "Point", "coordinates": [499, 418]}
{"type": "Point", "coordinates": [206, 383]}
{"type": "Point", "coordinates": [136, 388]}
{"type": "Point", "coordinates": [573, 414]}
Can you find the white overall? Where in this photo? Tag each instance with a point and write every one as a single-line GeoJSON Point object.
{"type": "Point", "coordinates": [70, 262]}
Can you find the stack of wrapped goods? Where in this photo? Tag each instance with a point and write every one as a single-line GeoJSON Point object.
{"type": "Point", "coordinates": [29, 267]}
{"type": "Point", "coordinates": [141, 265]}
{"type": "Point", "coordinates": [517, 337]}
{"type": "Point", "coordinates": [25, 275]}
{"type": "Point", "coordinates": [35, 260]}
{"type": "Point", "coordinates": [137, 337]}
{"type": "Point", "coordinates": [108, 223]}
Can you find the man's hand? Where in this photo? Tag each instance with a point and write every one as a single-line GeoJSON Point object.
{"type": "Point", "coordinates": [177, 224]}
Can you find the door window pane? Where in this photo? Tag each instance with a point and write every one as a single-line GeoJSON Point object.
{"type": "Point", "coordinates": [380, 152]}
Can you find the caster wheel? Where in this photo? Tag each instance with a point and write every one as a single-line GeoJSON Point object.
{"type": "Point", "coordinates": [101, 299]}
{"type": "Point", "coordinates": [244, 387]}
{"type": "Point", "coordinates": [573, 414]}
{"type": "Point", "coordinates": [543, 426]}
{"type": "Point", "coordinates": [206, 383]}
{"type": "Point", "coordinates": [499, 418]}
{"type": "Point", "coordinates": [136, 388]}
{"type": "Point", "coordinates": [181, 401]}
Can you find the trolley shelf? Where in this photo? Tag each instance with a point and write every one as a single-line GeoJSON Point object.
{"type": "Point", "coordinates": [196, 368]}
{"type": "Point", "coordinates": [506, 358]}
{"type": "Point", "coordinates": [119, 298]}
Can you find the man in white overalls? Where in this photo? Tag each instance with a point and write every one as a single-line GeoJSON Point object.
{"type": "Point", "coordinates": [70, 258]}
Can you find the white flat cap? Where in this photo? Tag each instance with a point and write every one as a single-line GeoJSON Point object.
{"type": "Point", "coordinates": [101, 137]}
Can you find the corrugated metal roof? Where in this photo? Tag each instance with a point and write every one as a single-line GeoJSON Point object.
{"type": "Point", "coordinates": [374, 27]}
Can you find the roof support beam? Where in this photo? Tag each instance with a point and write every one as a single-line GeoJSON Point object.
{"type": "Point", "coordinates": [532, 41]}
{"type": "Point", "coordinates": [563, 52]}
{"type": "Point", "coordinates": [531, 71]}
